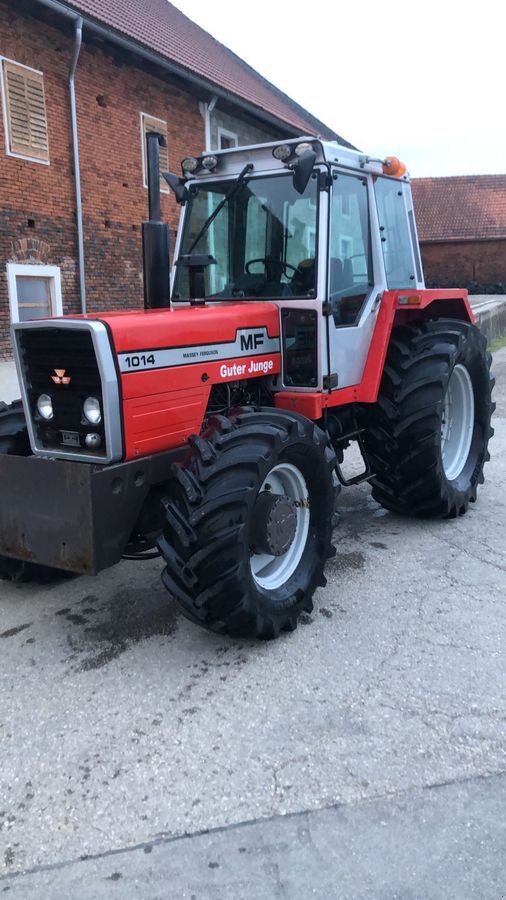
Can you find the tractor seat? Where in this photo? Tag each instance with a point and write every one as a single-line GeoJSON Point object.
{"type": "Point", "coordinates": [304, 279]}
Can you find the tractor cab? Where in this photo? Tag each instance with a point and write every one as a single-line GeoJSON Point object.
{"type": "Point", "coordinates": [318, 229]}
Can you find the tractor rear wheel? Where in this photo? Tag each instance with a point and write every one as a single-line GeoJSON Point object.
{"type": "Point", "coordinates": [248, 523]}
{"type": "Point", "coordinates": [427, 437]}
{"type": "Point", "coordinates": [14, 441]}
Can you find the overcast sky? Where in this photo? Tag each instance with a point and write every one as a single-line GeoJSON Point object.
{"type": "Point", "coordinates": [425, 81]}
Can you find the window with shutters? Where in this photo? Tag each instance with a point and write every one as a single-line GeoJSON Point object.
{"type": "Point", "coordinates": [150, 123]}
{"type": "Point", "coordinates": [24, 106]}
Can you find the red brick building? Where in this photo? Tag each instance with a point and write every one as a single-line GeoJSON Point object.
{"type": "Point", "coordinates": [462, 231]}
{"type": "Point", "coordinates": [133, 66]}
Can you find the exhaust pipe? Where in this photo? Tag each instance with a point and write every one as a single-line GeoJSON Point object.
{"type": "Point", "coordinates": [155, 234]}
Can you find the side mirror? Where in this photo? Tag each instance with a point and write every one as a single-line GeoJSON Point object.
{"type": "Point", "coordinates": [177, 185]}
{"type": "Point", "coordinates": [302, 168]}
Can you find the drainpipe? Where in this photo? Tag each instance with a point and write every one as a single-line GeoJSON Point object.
{"type": "Point", "coordinates": [78, 37]}
{"type": "Point", "coordinates": [208, 108]}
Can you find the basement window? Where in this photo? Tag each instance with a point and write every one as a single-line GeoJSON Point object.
{"type": "Point", "coordinates": [150, 123]}
{"type": "Point", "coordinates": [24, 110]}
{"type": "Point", "coordinates": [34, 292]}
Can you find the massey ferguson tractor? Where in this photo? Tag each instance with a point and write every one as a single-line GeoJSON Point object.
{"type": "Point", "coordinates": [211, 427]}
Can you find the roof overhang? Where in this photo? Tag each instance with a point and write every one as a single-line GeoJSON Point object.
{"type": "Point", "coordinates": [158, 59]}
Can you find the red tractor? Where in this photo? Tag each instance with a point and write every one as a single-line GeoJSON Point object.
{"type": "Point", "coordinates": [211, 428]}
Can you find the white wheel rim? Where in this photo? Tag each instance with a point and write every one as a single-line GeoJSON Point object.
{"type": "Point", "coordinates": [270, 572]}
{"type": "Point", "coordinates": [457, 422]}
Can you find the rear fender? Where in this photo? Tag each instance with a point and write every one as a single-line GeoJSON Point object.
{"type": "Point", "coordinates": [396, 308]}
{"type": "Point", "coordinates": [400, 308]}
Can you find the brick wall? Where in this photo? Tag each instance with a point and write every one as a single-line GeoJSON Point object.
{"type": "Point", "coordinates": [37, 202]}
{"type": "Point", "coordinates": [480, 265]}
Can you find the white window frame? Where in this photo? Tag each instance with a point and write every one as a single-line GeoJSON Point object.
{"type": "Point", "coordinates": [230, 135]}
{"type": "Point", "coordinates": [143, 115]}
{"type": "Point", "coordinates": [8, 151]}
{"type": "Point", "coordinates": [16, 270]}
{"type": "Point", "coordinates": [349, 240]}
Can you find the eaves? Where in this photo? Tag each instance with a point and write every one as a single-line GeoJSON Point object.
{"type": "Point", "coordinates": [169, 66]}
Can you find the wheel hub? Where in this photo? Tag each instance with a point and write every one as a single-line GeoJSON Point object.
{"type": "Point", "coordinates": [275, 523]}
{"type": "Point", "coordinates": [457, 422]}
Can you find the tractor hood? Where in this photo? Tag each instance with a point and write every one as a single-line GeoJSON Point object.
{"type": "Point", "coordinates": [196, 328]}
{"type": "Point", "coordinates": [169, 359]}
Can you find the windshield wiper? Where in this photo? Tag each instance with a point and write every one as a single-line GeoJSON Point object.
{"type": "Point", "coordinates": [236, 185]}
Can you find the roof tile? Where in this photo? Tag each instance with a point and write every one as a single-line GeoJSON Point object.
{"type": "Point", "coordinates": [160, 27]}
{"type": "Point", "coordinates": [460, 208]}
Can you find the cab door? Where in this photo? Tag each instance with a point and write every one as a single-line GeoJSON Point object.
{"type": "Point", "coordinates": [355, 277]}
{"type": "Point", "coordinates": [372, 248]}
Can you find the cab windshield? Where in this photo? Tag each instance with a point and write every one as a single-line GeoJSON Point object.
{"type": "Point", "coordinates": [263, 239]}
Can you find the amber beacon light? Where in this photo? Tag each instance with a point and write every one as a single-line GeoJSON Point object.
{"type": "Point", "coordinates": [394, 167]}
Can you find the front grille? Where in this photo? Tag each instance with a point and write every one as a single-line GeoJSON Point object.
{"type": "Point", "coordinates": [50, 356]}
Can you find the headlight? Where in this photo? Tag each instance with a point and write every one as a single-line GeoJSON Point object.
{"type": "Point", "coordinates": [209, 162]}
{"type": "Point", "coordinates": [189, 164]}
{"type": "Point", "coordinates": [45, 406]}
{"type": "Point", "coordinates": [282, 152]}
{"type": "Point", "coordinates": [303, 148]}
{"type": "Point", "coordinates": [92, 411]}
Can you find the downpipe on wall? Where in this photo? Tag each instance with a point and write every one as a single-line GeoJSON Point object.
{"type": "Point", "coordinates": [78, 38]}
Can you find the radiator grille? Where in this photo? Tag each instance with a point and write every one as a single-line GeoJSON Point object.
{"type": "Point", "coordinates": [50, 356]}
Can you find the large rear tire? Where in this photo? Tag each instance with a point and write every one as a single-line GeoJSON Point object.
{"type": "Point", "coordinates": [248, 523]}
{"type": "Point", "coordinates": [14, 440]}
{"type": "Point", "coordinates": [427, 437]}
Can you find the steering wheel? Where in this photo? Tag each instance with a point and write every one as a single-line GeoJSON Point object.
{"type": "Point", "coordinates": [269, 265]}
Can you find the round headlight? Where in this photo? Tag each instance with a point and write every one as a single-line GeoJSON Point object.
{"type": "Point", "coordinates": [45, 406]}
{"type": "Point", "coordinates": [189, 164]}
{"type": "Point", "coordinates": [209, 162]}
{"type": "Point", "coordinates": [282, 152]}
{"type": "Point", "coordinates": [302, 148]}
{"type": "Point", "coordinates": [92, 411]}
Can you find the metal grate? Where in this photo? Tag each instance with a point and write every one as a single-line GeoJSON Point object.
{"type": "Point", "coordinates": [63, 364]}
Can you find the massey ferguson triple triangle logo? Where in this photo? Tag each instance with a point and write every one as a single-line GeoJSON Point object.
{"type": "Point", "coordinates": [60, 377]}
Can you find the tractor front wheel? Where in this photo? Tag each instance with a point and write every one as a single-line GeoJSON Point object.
{"type": "Point", "coordinates": [427, 437]}
{"type": "Point", "coordinates": [248, 523]}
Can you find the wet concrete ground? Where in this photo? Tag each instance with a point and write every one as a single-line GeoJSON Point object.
{"type": "Point", "coordinates": [122, 724]}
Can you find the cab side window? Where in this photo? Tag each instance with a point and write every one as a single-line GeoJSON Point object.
{"type": "Point", "coordinates": [350, 275]}
{"type": "Point", "coordinates": [394, 231]}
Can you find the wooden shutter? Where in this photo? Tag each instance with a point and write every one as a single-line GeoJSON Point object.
{"type": "Point", "coordinates": [151, 124]}
{"type": "Point", "coordinates": [26, 111]}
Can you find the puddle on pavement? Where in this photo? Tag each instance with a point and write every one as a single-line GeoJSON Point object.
{"type": "Point", "coordinates": [347, 561]}
{"type": "Point", "coordinates": [13, 631]}
{"type": "Point", "coordinates": [102, 631]}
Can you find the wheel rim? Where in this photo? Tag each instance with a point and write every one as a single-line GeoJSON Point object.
{"type": "Point", "coordinates": [270, 572]}
{"type": "Point", "coordinates": [457, 422]}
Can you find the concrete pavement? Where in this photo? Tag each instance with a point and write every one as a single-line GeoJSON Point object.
{"type": "Point", "coordinates": [443, 842]}
{"type": "Point", "coordinates": [123, 726]}
{"type": "Point", "coordinates": [490, 312]}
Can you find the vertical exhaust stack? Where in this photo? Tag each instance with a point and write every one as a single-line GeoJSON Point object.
{"type": "Point", "coordinates": [155, 235]}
